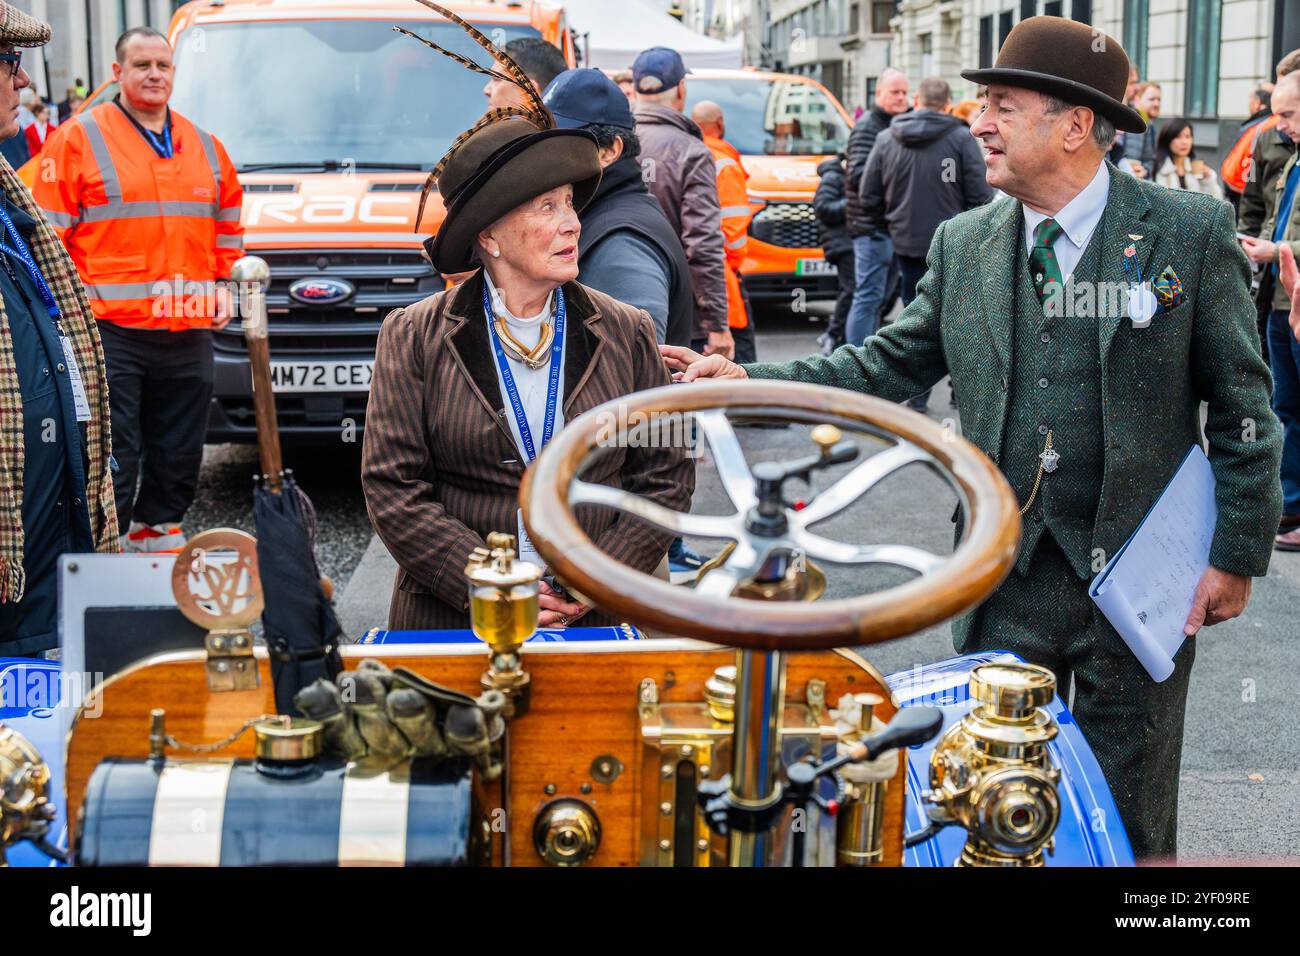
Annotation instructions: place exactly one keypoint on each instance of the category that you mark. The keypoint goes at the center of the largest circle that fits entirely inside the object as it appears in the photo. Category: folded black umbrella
(302, 631)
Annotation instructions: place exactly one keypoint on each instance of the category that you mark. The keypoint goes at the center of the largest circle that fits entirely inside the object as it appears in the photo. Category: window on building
(927, 54)
(1203, 20)
(1004, 27)
(986, 42)
(1081, 10)
(1028, 8)
(1053, 8)
(1136, 15)
(854, 21)
(882, 11)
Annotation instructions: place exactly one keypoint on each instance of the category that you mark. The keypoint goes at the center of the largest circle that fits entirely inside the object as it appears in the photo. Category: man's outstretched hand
(687, 365)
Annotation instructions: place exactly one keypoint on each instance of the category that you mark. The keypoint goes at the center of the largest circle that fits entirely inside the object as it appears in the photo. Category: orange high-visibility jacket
(733, 196)
(148, 235)
(1236, 168)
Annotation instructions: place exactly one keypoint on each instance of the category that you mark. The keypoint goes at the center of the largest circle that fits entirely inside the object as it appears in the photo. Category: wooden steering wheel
(764, 526)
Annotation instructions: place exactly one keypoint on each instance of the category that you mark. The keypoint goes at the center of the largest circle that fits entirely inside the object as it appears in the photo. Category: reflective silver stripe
(147, 209)
(122, 291)
(61, 220)
(372, 814)
(210, 151)
(729, 211)
(229, 214)
(230, 242)
(724, 162)
(103, 158)
(188, 809)
(738, 243)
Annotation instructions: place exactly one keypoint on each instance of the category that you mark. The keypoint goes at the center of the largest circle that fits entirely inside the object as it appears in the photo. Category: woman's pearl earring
(496, 253)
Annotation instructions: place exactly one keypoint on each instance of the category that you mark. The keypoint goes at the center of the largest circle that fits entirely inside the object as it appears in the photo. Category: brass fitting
(991, 773)
(25, 808)
(504, 610)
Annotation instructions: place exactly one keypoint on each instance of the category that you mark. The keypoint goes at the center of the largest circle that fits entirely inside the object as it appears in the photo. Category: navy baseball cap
(657, 69)
(578, 98)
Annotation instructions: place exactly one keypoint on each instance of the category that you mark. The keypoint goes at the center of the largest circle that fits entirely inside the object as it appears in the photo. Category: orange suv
(334, 122)
(784, 125)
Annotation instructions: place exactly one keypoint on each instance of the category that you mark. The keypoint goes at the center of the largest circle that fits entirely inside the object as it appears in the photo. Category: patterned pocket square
(1168, 289)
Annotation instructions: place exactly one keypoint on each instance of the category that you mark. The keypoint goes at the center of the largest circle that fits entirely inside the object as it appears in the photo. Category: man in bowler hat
(1088, 409)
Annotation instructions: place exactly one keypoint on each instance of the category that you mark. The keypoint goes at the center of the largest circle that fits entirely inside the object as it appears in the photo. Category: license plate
(321, 376)
(814, 267)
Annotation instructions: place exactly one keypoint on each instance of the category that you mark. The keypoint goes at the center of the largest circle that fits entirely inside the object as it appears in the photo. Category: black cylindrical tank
(319, 812)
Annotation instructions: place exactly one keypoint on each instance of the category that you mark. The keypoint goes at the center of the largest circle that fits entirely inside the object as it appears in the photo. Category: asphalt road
(1240, 794)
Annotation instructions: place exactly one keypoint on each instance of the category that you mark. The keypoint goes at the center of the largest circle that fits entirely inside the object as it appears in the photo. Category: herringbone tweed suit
(441, 470)
(1150, 382)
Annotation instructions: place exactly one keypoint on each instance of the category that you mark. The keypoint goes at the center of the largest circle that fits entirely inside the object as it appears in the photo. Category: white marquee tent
(617, 30)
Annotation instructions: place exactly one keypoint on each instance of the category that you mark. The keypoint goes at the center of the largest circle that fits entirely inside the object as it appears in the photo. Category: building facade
(844, 44)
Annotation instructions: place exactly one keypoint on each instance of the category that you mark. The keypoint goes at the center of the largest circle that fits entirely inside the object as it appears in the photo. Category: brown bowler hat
(1068, 60)
(499, 167)
(20, 29)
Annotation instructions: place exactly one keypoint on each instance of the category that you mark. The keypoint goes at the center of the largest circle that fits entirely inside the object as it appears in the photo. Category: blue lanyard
(20, 251)
(162, 146)
(507, 379)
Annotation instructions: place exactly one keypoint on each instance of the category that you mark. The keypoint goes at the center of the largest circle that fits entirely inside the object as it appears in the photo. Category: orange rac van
(334, 121)
(783, 125)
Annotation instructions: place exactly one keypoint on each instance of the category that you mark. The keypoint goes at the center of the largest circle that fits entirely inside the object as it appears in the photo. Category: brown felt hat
(21, 29)
(500, 167)
(1068, 60)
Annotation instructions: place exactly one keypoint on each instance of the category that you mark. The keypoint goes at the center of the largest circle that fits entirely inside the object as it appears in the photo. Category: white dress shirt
(532, 383)
(1078, 220)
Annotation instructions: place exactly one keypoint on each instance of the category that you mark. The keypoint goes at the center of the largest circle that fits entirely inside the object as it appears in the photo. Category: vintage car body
(1089, 833)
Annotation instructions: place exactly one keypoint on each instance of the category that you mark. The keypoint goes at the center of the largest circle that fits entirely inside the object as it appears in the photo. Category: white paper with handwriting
(1146, 589)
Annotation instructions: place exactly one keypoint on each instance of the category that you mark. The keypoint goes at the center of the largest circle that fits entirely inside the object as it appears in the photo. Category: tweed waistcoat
(1056, 386)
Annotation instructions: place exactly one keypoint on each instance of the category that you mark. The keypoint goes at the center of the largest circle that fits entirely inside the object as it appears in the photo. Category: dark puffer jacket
(830, 206)
(861, 140)
(925, 169)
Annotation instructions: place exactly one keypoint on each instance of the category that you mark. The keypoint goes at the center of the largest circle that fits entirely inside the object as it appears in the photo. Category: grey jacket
(679, 171)
(925, 168)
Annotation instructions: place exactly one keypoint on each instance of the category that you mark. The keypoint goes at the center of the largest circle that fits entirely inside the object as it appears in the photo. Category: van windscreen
(773, 117)
(340, 93)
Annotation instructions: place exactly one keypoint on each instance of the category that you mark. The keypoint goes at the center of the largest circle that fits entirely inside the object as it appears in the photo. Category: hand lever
(768, 518)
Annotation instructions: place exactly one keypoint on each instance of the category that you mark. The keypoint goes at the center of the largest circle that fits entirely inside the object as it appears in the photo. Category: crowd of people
(592, 241)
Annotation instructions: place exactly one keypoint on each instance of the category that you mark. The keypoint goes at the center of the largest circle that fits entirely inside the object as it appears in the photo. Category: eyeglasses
(16, 61)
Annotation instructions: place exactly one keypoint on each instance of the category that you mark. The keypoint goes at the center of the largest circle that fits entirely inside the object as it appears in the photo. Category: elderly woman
(469, 384)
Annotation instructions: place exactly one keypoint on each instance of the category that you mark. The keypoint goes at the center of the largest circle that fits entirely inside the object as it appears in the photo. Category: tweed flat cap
(21, 29)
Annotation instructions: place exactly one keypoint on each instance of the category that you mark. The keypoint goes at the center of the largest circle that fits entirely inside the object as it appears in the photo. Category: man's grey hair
(934, 93)
(888, 73)
(1289, 85)
(1103, 130)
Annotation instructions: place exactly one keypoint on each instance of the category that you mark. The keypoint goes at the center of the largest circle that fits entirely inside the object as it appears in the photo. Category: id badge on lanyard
(526, 550)
(17, 248)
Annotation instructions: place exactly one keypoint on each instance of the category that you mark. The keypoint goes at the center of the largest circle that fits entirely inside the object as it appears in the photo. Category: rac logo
(263, 210)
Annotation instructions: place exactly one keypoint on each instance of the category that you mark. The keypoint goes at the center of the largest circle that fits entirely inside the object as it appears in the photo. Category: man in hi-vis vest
(148, 205)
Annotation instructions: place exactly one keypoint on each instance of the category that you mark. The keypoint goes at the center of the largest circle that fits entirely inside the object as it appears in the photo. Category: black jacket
(925, 169)
(830, 207)
(861, 140)
(623, 202)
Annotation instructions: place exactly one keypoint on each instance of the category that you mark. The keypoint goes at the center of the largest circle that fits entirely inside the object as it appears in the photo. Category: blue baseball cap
(578, 98)
(657, 70)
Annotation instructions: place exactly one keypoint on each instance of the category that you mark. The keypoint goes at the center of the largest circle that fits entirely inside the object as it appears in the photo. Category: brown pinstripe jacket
(440, 469)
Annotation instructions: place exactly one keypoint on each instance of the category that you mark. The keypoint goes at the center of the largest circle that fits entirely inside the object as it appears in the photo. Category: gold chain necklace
(535, 357)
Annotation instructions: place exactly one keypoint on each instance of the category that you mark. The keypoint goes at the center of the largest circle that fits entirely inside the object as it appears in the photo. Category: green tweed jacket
(1153, 379)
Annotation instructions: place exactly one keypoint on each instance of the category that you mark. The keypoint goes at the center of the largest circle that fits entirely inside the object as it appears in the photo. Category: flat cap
(21, 29)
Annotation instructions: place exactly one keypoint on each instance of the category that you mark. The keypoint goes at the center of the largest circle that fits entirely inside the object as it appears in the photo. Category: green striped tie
(1042, 260)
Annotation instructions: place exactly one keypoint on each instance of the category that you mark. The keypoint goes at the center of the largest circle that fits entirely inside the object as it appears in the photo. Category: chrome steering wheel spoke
(728, 458)
(901, 555)
(727, 527)
(858, 482)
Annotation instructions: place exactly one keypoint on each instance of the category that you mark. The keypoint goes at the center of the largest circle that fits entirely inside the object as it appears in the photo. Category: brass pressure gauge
(566, 832)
